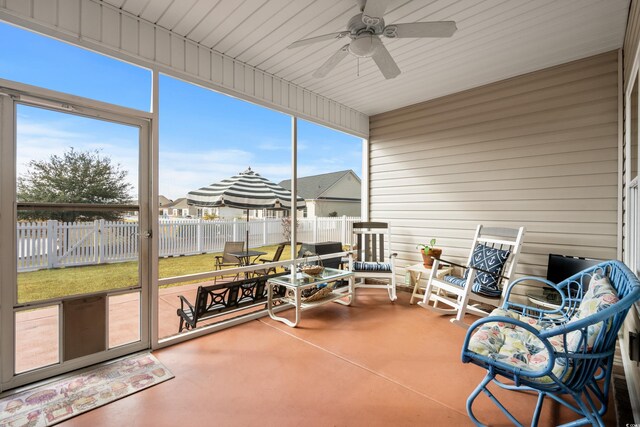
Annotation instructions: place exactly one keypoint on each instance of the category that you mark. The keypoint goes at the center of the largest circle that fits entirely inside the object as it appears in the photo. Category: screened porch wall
(632, 323)
(538, 150)
(631, 41)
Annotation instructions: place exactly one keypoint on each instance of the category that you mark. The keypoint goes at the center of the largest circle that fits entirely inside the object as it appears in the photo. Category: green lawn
(60, 282)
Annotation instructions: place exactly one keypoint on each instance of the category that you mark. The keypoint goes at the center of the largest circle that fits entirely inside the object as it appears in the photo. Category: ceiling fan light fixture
(365, 31)
(363, 46)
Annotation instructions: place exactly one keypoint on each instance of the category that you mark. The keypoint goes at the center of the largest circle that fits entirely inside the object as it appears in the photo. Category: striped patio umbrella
(247, 190)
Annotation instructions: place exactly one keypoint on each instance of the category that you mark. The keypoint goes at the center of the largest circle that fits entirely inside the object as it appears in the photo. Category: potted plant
(429, 251)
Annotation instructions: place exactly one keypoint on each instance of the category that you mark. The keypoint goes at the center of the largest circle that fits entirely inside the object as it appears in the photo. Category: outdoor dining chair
(227, 260)
(275, 258)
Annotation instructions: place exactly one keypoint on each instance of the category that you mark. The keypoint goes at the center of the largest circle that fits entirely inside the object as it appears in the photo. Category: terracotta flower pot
(427, 259)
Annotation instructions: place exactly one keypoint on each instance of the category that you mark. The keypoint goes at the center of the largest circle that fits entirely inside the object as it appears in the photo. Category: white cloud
(182, 172)
(179, 171)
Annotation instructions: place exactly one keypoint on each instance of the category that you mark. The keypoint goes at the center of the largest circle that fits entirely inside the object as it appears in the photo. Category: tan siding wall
(538, 150)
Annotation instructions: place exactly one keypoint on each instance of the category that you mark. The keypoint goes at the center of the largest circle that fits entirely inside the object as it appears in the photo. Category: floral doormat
(62, 399)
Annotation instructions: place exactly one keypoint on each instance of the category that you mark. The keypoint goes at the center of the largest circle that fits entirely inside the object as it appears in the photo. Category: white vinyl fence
(52, 244)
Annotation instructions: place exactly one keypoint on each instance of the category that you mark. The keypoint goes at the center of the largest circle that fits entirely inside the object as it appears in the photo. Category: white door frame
(12, 93)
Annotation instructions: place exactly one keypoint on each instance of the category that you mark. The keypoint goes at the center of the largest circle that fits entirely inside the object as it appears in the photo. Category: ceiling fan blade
(420, 29)
(331, 63)
(374, 11)
(384, 60)
(322, 38)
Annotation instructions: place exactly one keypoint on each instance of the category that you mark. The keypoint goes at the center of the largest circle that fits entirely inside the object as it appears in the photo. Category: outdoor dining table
(247, 258)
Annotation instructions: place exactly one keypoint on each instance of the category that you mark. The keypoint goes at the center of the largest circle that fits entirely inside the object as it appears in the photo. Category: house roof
(164, 201)
(182, 202)
(314, 186)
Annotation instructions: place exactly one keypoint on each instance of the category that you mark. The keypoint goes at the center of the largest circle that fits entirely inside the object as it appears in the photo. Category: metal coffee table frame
(304, 281)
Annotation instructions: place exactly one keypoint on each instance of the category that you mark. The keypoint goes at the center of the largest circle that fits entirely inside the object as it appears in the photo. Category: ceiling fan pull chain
(358, 67)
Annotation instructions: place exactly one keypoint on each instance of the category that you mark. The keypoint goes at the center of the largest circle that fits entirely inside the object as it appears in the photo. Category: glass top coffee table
(296, 285)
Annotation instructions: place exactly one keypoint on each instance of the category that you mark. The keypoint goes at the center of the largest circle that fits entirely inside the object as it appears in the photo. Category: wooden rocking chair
(491, 264)
(373, 256)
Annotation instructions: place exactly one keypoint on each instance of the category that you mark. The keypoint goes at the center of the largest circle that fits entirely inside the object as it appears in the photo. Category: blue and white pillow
(491, 260)
(371, 266)
(455, 280)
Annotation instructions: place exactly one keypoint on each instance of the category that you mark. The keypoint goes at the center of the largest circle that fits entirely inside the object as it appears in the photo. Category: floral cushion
(599, 295)
(516, 346)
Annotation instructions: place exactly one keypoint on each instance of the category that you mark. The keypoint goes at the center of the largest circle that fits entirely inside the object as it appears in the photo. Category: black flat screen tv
(562, 266)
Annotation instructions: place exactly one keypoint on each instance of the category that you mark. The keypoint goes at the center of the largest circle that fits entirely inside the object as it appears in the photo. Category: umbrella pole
(247, 238)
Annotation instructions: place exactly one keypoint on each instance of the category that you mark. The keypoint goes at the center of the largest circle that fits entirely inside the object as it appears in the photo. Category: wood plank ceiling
(496, 39)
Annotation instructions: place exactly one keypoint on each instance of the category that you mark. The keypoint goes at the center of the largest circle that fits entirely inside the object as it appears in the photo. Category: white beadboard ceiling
(496, 39)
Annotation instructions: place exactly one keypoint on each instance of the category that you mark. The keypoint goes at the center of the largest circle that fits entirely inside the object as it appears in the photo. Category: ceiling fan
(365, 29)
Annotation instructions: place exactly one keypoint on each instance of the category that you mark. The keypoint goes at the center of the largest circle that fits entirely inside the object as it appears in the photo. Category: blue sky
(204, 136)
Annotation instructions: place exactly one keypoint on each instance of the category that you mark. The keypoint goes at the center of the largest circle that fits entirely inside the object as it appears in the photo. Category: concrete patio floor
(375, 363)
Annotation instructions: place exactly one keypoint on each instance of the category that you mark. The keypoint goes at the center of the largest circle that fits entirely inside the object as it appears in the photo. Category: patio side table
(416, 273)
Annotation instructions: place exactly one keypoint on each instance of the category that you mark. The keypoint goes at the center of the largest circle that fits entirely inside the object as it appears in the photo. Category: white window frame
(631, 236)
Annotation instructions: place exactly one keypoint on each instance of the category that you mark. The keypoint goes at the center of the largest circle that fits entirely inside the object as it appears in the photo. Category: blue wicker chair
(564, 353)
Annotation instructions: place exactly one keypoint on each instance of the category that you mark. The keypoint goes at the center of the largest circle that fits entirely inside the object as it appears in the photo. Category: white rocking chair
(491, 265)
(374, 259)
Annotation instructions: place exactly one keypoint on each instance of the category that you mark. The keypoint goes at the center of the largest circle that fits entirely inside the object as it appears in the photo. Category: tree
(73, 177)
(286, 228)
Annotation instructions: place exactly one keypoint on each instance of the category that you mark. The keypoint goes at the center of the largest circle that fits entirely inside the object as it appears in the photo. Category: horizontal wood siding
(539, 150)
(106, 29)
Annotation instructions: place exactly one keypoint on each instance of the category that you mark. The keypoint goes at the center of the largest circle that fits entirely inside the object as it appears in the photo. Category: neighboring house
(179, 209)
(231, 213)
(163, 202)
(329, 194)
